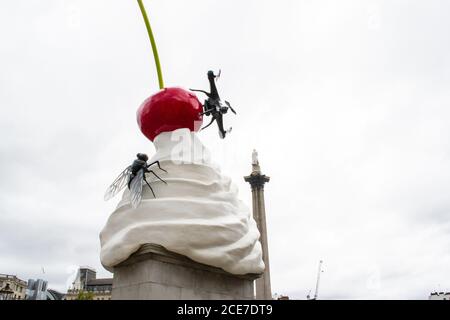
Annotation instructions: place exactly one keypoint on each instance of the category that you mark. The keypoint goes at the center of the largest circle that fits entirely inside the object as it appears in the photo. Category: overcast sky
(347, 103)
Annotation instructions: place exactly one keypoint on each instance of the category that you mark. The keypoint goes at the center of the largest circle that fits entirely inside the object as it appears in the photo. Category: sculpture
(133, 176)
(214, 106)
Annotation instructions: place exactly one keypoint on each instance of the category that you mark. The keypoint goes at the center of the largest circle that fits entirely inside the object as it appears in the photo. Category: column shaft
(263, 287)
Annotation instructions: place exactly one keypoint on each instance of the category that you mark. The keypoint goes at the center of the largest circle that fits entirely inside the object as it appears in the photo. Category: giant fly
(133, 177)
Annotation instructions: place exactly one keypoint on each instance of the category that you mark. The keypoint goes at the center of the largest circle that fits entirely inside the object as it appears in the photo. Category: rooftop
(99, 282)
(12, 277)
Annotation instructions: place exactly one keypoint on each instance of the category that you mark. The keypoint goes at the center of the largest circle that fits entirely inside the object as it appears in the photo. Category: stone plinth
(154, 273)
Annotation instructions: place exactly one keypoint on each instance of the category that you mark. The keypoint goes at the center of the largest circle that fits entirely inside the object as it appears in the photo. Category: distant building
(84, 275)
(36, 290)
(439, 296)
(16, 286)
(86, 281)
(54, 295)
(277, 296)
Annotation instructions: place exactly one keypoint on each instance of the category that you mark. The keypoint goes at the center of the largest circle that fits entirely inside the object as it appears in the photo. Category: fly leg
(149, 186)
(151, 171)
(159, 166)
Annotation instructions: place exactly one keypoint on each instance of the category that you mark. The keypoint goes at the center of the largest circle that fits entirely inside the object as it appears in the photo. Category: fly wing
(136, 189)
(118, 184)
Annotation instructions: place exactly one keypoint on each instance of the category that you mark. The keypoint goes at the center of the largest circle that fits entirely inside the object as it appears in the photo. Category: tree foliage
(85, 295)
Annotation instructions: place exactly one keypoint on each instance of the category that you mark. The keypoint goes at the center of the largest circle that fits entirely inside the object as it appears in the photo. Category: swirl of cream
(197, 214)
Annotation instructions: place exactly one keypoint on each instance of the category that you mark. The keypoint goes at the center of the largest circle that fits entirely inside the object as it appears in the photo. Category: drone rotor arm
(229, 106)
(212, 120)
(203, 91)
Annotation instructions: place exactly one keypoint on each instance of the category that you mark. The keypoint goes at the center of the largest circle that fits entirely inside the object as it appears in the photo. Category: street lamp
(6, 293)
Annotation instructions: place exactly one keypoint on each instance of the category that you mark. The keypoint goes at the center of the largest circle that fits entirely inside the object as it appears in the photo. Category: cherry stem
(153, 43)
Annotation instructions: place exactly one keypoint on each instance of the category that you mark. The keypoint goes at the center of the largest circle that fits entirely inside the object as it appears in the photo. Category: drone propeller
(229, 106)
(217, 76)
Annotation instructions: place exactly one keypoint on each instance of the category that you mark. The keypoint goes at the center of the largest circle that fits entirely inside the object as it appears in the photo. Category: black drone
(214, 106)
(133, 177)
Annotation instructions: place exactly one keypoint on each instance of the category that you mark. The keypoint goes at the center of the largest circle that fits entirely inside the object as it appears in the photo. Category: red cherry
(168, 110)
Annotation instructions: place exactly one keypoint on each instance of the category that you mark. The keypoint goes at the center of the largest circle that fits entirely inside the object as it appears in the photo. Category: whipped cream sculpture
(189, 207)
(197, 214)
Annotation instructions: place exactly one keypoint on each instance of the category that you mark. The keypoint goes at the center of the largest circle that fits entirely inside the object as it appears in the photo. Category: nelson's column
(257, 181)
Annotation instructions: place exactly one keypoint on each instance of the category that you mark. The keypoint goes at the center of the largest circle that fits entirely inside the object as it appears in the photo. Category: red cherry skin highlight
(168, 110)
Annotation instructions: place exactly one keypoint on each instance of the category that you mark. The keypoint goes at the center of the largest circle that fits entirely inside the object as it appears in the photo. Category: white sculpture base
(154, 273)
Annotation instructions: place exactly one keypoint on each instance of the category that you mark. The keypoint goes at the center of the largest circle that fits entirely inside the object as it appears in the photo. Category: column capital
(257, 180)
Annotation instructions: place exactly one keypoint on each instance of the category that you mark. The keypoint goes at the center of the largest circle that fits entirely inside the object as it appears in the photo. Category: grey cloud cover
(346, 102)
